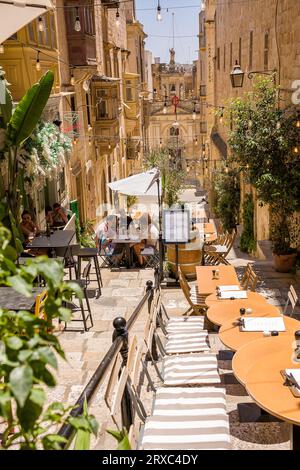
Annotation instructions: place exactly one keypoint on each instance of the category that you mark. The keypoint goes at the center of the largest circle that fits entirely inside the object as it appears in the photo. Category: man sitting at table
(59, 216)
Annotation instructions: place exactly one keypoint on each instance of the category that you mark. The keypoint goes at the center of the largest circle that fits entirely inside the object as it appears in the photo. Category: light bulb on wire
(278, 125)
(298, 123)
(221, 117)
(165, 108)
(118, 18)
(77, 25)
(158, 12)
(41, 24)
(38, 64)
(72, 81)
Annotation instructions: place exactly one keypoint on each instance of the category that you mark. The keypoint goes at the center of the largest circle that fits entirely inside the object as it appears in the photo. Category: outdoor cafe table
(254, 351)
(234, 339)
(12, 300)
(264, 383)
(220, 313)
(58, 239)
(205, 282)
(253, 297)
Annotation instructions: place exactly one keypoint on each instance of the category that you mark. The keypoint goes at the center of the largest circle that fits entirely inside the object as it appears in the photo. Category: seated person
(49, 217)
(59, 215)
(152, 234)
(105, 233)
(28, 227)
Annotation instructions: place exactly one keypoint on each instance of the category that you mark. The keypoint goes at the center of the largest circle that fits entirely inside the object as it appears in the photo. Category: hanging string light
(72, 81)
(37, 63)
(221, 116)
(278, 125)
(77, 25)
(118, 18)
(165, 108)
(296, 150)
(1, 48)
(41, 25)
(194, 112)
(158, 12)
(196, 141)
(298, 123)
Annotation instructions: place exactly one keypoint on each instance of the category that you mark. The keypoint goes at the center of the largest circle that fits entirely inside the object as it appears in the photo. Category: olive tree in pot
(264, 141)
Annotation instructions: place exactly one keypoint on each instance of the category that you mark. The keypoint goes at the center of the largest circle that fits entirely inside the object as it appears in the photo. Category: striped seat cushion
(185, 324)
(188, 418)
(194, 320)
(187, 342)
(188, 369)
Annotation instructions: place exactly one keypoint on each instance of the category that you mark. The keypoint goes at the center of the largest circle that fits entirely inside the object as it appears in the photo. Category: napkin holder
(291, 383)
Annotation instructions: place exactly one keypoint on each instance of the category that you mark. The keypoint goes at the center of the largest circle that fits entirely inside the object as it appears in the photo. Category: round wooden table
(227, 310)
(254, 351)
(234, 339)
(251, 296)
(264, 383)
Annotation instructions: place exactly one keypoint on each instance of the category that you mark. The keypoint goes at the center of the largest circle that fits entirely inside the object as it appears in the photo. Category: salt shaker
(296, 355)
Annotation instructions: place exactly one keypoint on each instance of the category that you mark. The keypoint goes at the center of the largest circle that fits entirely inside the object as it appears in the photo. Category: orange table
(264, 383)
(251, 296)
(207, 285)
(220, 313)
(245, 358)
(234, 339)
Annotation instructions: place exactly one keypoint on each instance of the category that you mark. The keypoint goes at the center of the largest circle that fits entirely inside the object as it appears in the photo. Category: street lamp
(237, 76)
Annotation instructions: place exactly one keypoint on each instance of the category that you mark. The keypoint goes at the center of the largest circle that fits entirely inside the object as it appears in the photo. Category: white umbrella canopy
(15, 15)
(142, 184)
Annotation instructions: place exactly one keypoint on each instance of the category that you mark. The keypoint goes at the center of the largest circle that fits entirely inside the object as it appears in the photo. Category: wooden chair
(249, 279)
(217, 253)
(292, 300)
(196, 302)
(39, 309)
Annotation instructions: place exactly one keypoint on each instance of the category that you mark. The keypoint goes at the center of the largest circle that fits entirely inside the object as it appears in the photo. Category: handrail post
(120, 329)
(149, 288)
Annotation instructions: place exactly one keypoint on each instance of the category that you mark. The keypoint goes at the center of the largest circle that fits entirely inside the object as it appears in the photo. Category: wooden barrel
(189, 256)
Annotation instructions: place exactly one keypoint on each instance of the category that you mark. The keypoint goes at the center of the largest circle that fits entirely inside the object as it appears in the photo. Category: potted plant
(264, 140)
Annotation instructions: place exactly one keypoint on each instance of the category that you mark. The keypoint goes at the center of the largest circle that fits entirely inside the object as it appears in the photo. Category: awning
(219, 143)
(142, 184)
(16, 15)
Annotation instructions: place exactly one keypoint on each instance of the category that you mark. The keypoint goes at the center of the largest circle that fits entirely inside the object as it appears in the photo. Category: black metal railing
(119, 345)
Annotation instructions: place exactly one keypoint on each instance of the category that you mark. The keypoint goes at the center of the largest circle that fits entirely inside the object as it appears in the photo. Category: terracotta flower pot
(284, 263)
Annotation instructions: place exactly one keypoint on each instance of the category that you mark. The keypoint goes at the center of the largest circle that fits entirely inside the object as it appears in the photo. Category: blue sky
(186, 24)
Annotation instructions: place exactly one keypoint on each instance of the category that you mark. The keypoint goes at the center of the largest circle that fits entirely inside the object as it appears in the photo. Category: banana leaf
(29, 110)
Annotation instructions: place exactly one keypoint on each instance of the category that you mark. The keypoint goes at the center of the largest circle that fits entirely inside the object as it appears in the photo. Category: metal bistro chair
(151, 255)
(91, 254)
(83, 282)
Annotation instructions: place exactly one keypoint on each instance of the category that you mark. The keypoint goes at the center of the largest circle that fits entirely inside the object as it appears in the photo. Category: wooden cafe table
(234, 339)
(207, 284)
(245, 358)
(252, 297)
(264, 383)
(227, 310)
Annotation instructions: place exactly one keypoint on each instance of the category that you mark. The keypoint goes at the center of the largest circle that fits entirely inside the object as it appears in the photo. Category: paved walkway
(121, 293)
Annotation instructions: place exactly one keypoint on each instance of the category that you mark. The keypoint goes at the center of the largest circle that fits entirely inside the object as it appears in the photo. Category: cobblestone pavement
(121, 293)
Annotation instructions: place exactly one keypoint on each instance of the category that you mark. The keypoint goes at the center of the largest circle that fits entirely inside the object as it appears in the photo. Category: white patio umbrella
(142, 184)
(15, 15)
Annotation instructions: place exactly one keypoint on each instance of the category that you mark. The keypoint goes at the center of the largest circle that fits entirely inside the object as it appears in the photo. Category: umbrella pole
(160, 242)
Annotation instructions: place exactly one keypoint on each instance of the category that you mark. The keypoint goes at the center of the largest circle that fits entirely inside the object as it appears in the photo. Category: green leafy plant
(263, 140)
(28, 356)
(131, 200)
(227, 197)
(17, 127)
(247, 240)
(172, 179)
(121, 437)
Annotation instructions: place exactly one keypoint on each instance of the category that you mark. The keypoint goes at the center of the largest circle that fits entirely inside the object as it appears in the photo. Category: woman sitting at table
(151, 233)
(28, 227)
(59, 216)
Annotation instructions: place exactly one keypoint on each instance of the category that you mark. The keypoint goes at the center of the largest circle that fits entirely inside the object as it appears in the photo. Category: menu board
(176, 226)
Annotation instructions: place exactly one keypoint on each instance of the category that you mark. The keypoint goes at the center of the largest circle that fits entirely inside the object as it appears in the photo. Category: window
(106, 103)
(203, 127)
(173, 88)
(129, 91)
(116, 65)
(218, 58)
(266, 51)
(251, 50)
(240, 51)
(31, 29)
(89, 23)
(88, 111)
(174, 131)
(224, 58)
(230, 55)
(108, 67)
(53, 31)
